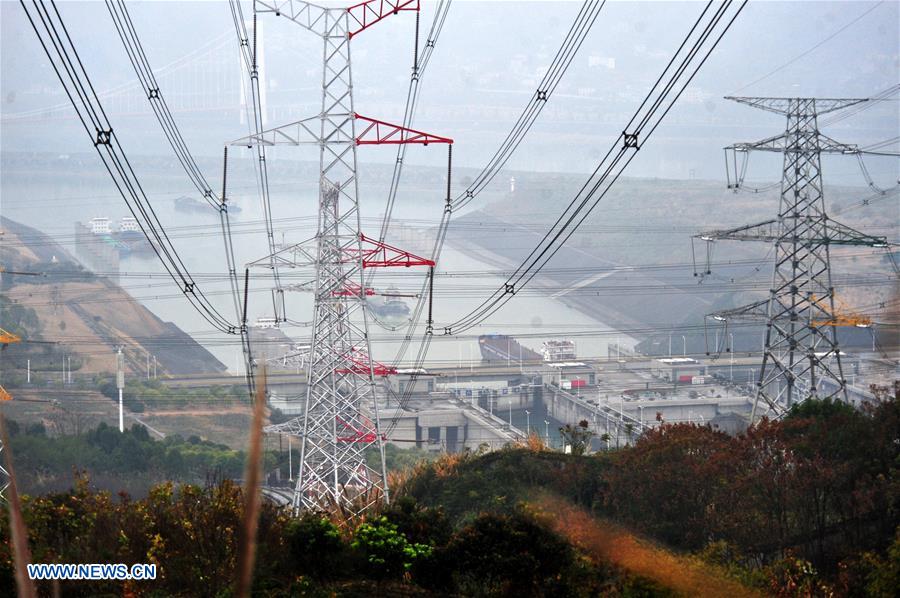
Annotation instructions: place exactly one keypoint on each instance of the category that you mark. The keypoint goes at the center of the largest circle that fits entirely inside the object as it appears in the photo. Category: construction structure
(801, 356)
(339, 423)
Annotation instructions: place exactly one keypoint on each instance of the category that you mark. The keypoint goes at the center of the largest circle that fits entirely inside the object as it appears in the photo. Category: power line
(71, 73)
(808, 50)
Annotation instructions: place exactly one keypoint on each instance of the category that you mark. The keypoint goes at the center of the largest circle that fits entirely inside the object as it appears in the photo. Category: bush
(499, 555)
(315, 546)
(385, 551)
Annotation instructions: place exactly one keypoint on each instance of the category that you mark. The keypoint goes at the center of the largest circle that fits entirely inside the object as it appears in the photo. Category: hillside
(81, 316)
(806, 506)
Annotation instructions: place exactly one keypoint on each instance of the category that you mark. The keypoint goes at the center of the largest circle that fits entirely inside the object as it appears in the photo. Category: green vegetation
(19, 319)
(117, 460)
(138, 393)
(807, 506)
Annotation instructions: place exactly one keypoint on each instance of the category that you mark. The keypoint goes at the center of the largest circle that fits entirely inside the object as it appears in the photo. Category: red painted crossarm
(360, 363)
(355, 435)
(378, 132)
(376, 254)
(353, 290)
(365, 14)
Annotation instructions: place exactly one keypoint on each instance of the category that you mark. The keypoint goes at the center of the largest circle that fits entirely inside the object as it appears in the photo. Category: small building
(417, 381)
(679, 370)
(571, 374)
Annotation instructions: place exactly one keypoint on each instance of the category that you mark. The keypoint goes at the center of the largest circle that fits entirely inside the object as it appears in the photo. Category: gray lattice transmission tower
(340, 417)
(801, 357)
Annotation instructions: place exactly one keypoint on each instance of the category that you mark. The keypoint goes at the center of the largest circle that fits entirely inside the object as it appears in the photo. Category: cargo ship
(389, 305)
(500, 347)
(561, 350)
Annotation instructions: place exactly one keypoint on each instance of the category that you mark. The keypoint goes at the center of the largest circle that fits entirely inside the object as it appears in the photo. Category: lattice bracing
(801, 357)
(340, 421)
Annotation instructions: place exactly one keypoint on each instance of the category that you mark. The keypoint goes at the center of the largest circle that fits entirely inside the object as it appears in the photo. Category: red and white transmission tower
(340, 419)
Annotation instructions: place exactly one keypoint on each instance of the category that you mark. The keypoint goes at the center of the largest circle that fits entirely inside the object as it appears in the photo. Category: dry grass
(534, 443)
(607, 542)
(252, 498)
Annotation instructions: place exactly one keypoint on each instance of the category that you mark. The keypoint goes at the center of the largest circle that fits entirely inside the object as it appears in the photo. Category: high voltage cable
(610, 169)
(468, 291)
(578, 31)
(809, 50)
(243, 228)
(248, 49)
(871, 102)
(151, 88)
(420, 63)
(564, 56)
(138, 58)
(89, 109)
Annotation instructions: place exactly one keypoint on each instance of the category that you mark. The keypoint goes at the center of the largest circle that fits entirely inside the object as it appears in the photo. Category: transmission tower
(801, 358)
(340, 418)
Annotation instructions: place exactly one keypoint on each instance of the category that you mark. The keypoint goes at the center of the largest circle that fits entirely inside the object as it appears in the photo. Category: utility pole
(120, 384)
(800, 338)
(340, 420)
(290, 461)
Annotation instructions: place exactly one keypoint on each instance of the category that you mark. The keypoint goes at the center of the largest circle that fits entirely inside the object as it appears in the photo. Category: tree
(577, 437)
(499, 555)
(386, 551)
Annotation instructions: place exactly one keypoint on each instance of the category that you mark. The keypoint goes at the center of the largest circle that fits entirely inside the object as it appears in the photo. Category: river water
(53, 203)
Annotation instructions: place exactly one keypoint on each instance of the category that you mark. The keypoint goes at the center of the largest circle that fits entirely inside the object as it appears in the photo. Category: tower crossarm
(372, 132)
(306, 14)
(322, 20)
(369, 252)
(781, 144)
(375, 254)
(357, 361)
(365, 14)
(753, 312)
(301, 132)
(786, 106)
(294, 256)
(770, 231)
(292, 427)
(378, 132)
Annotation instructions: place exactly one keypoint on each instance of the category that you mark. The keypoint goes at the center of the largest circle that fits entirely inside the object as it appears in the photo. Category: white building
(100, 226)
(128, 224)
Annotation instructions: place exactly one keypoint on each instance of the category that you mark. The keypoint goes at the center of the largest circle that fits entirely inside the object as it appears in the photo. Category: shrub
(499, 555)
(315, 546)
(385, 550)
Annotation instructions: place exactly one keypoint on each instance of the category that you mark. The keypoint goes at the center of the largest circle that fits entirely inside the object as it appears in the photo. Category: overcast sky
(485, 68)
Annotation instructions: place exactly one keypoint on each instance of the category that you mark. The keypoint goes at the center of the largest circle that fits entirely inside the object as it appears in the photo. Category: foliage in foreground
(812, 501)
(803, 507)
(190, 533)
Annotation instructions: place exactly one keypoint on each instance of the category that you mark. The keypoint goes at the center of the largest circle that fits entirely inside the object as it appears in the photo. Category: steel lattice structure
(801, 358)
(340, 421)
